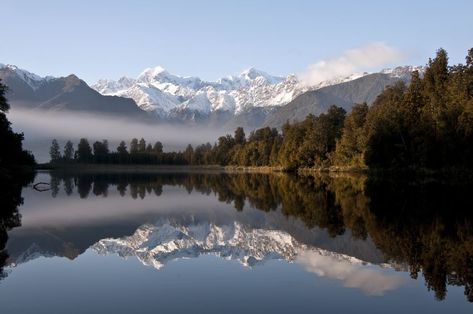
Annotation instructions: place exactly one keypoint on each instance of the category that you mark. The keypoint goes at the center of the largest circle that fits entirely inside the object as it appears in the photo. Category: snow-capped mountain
(33, 80)
(157, 244)
(167, 95)
(251, 99)
(157, 90)
(403, 71)
(166, 240)
(30, 91)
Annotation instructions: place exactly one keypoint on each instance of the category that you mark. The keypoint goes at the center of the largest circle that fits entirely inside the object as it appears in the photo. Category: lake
(213, 242)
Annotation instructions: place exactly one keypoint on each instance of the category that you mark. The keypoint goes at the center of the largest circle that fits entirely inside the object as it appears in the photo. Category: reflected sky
(190, 249)
(350, 271)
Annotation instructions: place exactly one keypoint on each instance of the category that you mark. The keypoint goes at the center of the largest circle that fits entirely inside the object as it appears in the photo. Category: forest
(424, 228)
(427, 124)
(12, 153)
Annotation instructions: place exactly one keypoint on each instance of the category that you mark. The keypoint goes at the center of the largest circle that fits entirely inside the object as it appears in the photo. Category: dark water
(234, 243)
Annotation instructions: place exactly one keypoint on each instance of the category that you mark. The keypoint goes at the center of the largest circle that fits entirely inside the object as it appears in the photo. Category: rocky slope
(250, 99)
(30, 91)
(363, 89)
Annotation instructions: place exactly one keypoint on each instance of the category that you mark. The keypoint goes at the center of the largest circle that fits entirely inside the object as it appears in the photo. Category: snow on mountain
(403, 71)
(234, 93)
(150, 98)
(339, 80)
(157, 244)
(156, 90)
(114, 86)
(33, 80)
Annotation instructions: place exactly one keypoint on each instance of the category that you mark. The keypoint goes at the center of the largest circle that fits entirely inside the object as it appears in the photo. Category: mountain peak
(29, 78)
(152, 73)
(252, 74)
(253, 71)
(402, 71)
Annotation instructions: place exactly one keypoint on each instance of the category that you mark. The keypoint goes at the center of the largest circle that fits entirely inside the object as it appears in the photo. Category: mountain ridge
(251, 99)
(29, 91)
(167, 95)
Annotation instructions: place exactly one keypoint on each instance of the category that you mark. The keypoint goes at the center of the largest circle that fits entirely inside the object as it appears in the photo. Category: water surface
(228, 243)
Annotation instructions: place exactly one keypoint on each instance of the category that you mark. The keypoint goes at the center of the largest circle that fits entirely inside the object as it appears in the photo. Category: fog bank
(41, 127)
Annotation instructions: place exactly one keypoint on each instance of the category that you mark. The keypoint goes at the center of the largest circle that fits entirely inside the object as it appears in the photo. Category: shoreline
(444, 173)
(129, 168)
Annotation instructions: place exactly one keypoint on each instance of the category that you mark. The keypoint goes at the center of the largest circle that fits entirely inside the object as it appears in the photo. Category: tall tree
(122, 149)
(142, 145)
(4, 106)
(54, 151)
(240, 136)
(84, 152)
(188, 154)
(101, 151)
(158, 148)
(11, 146)
(68, 151)
(351, 146)
(134, 146)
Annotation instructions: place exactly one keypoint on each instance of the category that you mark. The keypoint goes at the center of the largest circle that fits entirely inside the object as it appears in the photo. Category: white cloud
(351, 61)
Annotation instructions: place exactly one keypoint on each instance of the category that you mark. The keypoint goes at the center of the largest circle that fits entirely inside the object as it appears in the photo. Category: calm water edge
(123, 242)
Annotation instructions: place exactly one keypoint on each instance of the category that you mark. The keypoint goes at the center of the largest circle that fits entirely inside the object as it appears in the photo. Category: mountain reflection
(157, 244)
(327, 224)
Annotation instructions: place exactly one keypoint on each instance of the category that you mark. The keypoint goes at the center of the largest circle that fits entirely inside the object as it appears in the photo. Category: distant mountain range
(30, 91)
(251, 99)
(169, 238)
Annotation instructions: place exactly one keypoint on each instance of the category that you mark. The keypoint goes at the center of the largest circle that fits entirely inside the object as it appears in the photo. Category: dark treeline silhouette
(10, 199)
(99, 153)
(11, 152)
(12, 176)
(425, 125)
(425, 226)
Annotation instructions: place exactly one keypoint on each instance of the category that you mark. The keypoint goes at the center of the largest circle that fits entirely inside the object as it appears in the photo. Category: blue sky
(212, 39)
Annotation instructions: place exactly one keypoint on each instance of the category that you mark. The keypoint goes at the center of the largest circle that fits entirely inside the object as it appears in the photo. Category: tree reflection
(426, 226)
(10, 199)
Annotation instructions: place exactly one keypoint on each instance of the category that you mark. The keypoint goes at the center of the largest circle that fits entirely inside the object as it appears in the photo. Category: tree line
(99, 152)
(12, 152)
(427, 124)
(424, 225)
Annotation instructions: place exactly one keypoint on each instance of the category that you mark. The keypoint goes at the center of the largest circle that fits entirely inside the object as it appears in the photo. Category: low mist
(41, 127)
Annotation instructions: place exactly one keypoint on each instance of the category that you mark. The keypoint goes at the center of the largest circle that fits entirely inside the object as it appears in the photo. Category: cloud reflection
(350, 272)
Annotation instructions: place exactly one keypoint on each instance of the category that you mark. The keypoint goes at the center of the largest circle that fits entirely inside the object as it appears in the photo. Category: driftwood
(38, 187)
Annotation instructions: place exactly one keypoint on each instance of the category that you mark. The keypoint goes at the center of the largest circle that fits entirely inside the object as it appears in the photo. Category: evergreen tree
(101, 151)
(351, 146)
(122, 149)
(134, 146)
(68, 151)
(4, 106)
(240, 136)
(142, 145)
(188, 154)
(84, 152)
(54, 151)
(12, 152)
(158, 148)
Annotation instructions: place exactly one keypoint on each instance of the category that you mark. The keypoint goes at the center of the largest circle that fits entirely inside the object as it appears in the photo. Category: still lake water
(127, 242)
